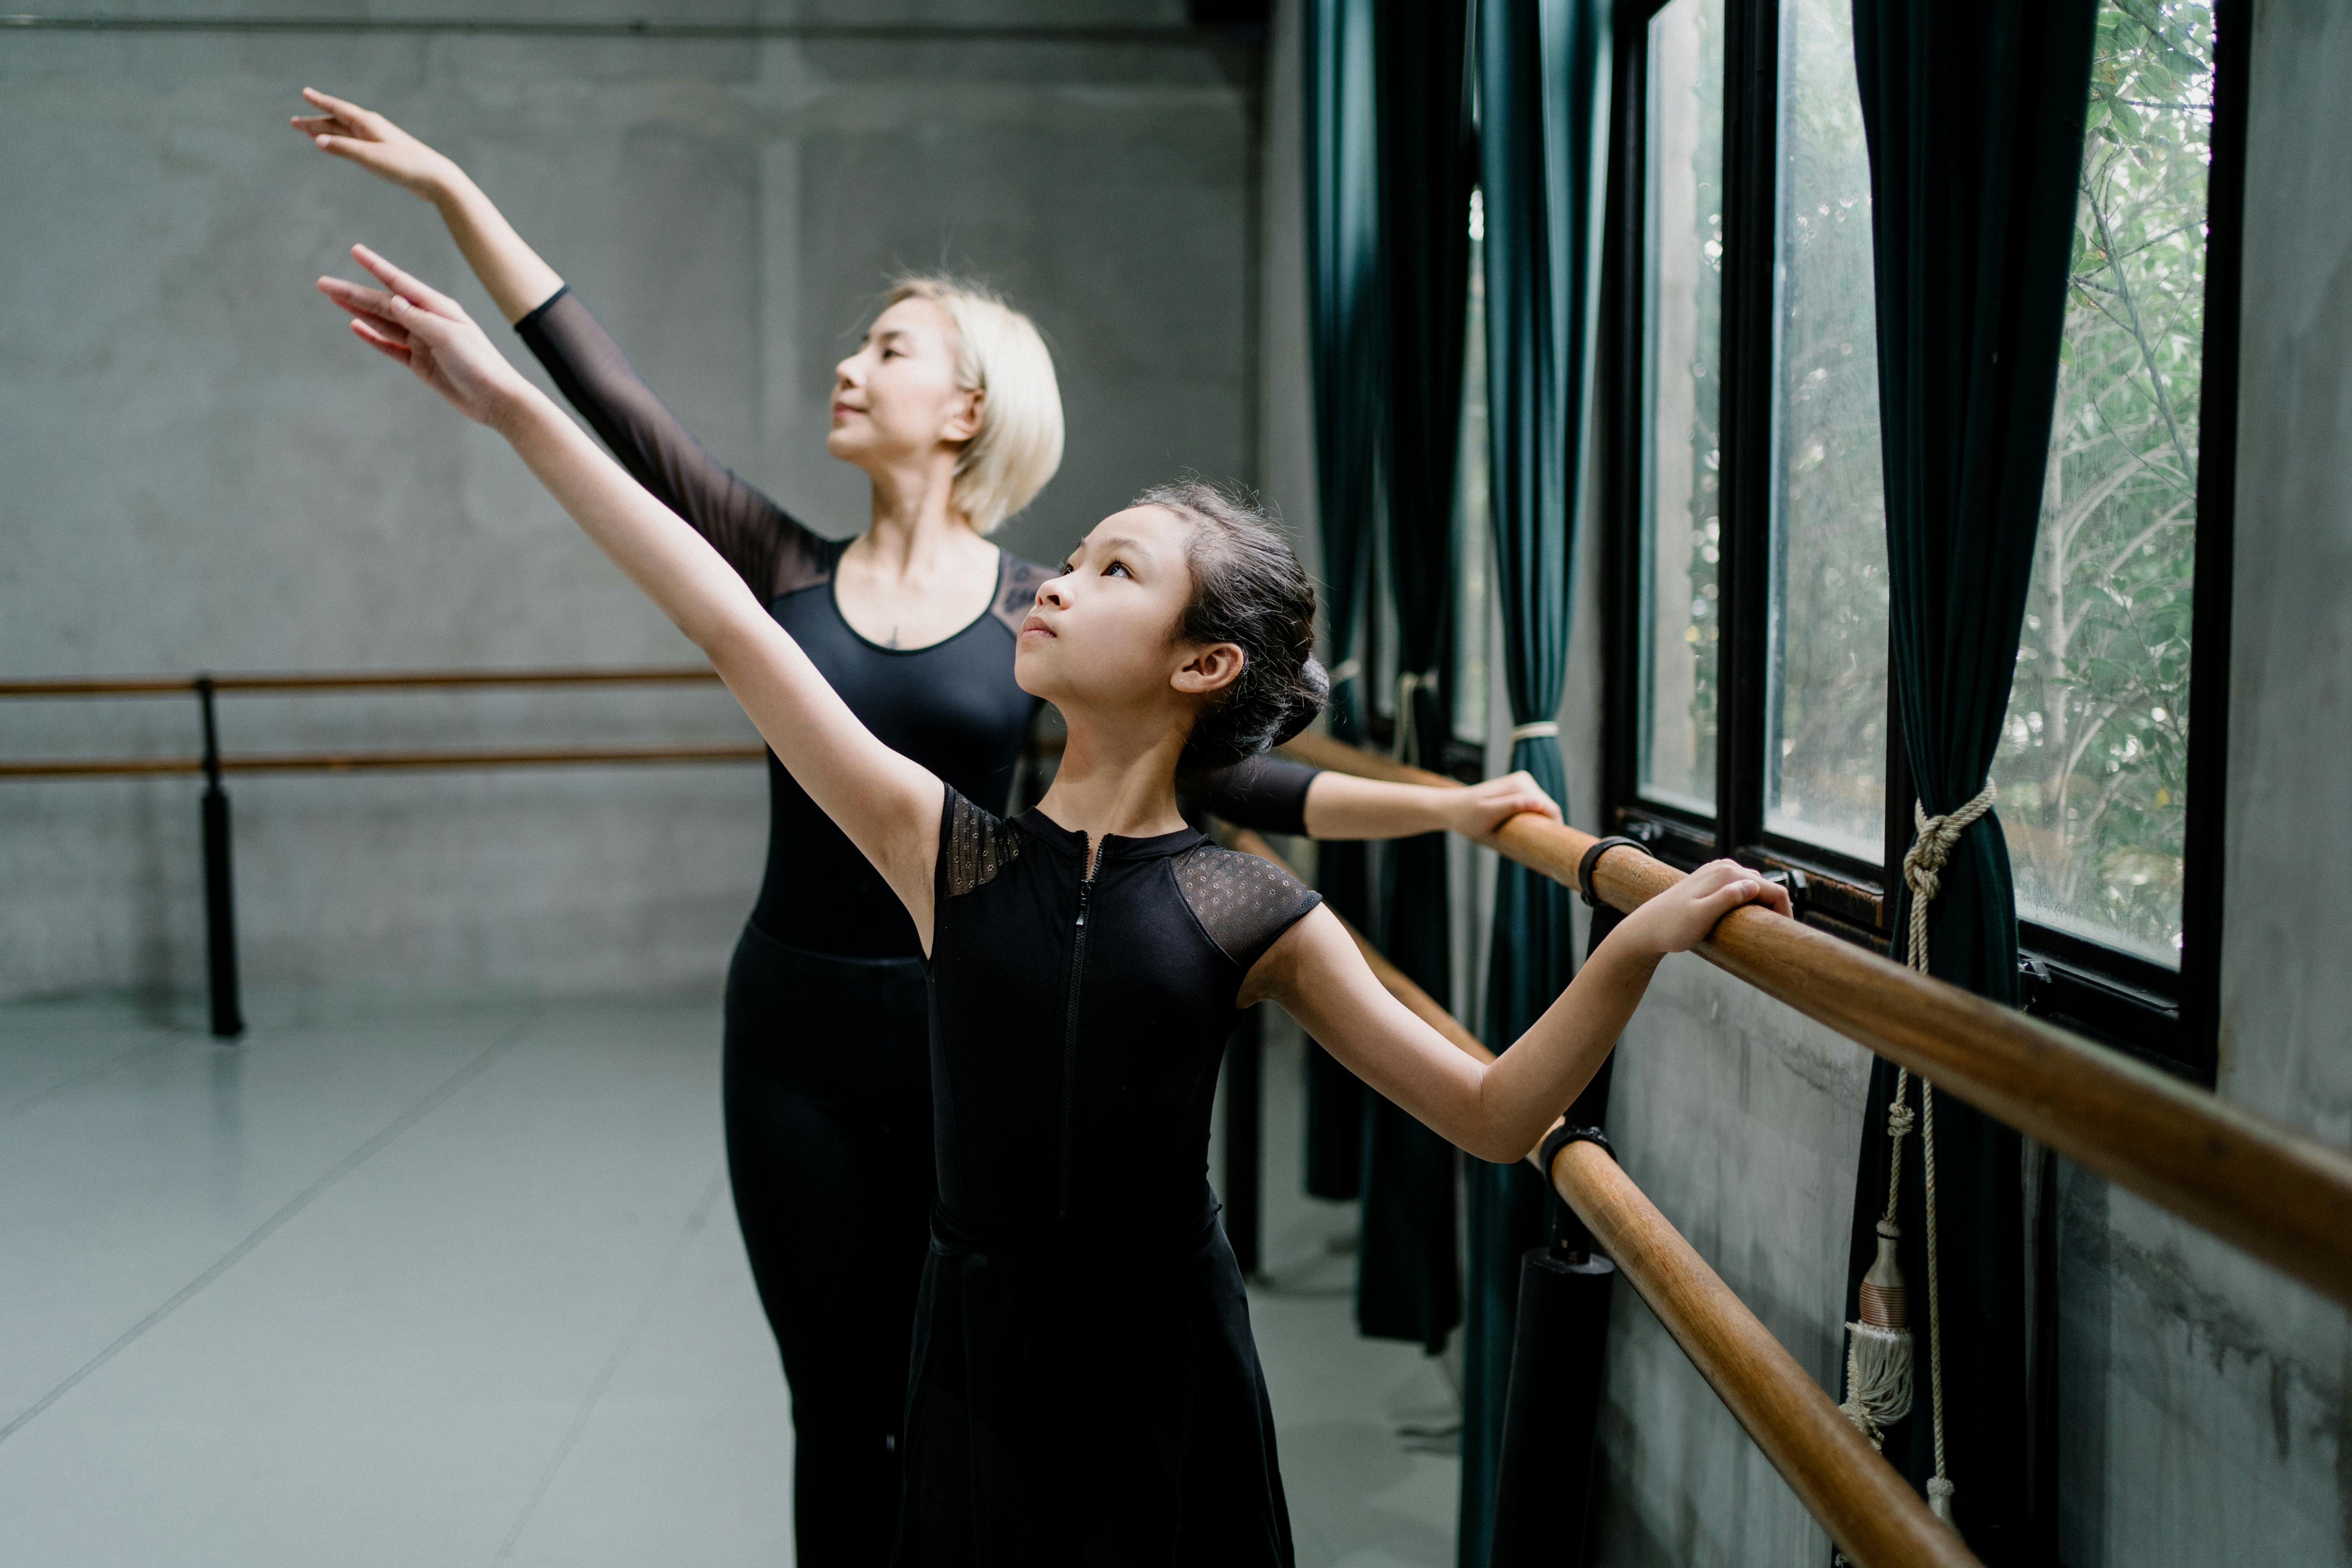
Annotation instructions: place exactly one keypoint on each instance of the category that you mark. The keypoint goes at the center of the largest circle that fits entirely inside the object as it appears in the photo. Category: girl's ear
(1209, 669)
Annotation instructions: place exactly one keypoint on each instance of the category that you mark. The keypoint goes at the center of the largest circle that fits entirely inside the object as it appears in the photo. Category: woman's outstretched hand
(362, 136)
(1478, 812)
(431, 335)
(1685, 914)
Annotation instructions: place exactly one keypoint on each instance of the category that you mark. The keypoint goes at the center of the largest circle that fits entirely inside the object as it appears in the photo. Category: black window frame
(2166, 1018)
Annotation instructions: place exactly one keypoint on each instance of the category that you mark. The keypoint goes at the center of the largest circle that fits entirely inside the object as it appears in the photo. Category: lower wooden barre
(1869, 1511)
(2282, 1197)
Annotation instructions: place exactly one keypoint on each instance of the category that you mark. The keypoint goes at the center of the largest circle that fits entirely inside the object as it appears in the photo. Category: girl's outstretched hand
(1684, 915)
(431, 335)
(1478, 811)
(362, 136)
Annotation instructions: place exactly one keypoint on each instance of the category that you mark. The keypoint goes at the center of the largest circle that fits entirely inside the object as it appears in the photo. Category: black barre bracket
(1585, 867)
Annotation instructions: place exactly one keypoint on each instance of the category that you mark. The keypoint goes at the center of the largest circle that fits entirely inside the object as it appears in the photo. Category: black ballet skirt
(1084, 1389)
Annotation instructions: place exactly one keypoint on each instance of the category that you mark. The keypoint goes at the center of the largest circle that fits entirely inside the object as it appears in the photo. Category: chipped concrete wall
(2203, 1418)
(203, 471)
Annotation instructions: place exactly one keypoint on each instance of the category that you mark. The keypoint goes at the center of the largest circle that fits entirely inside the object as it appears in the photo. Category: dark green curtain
(1974, 116)
(1343, 289)
(1408, 1282)
(1544, 83)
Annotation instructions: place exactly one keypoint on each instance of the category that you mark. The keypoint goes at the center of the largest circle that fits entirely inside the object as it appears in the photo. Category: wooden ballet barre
(1868, 1510)
(2257, 1183)
(354, 680)
(378, 762)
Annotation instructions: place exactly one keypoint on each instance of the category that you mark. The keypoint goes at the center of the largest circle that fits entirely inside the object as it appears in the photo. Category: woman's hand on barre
(518, 281)
(431, 335)
(1687, 914)
(1339, 807)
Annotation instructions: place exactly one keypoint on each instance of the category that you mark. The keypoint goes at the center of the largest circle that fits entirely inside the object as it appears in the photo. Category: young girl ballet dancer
(1084, 1387)
(950, 407)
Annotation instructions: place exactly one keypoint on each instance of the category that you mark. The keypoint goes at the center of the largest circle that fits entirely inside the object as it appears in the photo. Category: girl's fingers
(409, 288)
(379, 341)
(356, 299)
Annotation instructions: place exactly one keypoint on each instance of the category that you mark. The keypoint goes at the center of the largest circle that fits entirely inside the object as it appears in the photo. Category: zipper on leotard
(1070, 1029)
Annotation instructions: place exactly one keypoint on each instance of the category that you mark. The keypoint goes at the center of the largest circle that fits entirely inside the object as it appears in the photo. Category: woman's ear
(966, 417)
(1209, 669)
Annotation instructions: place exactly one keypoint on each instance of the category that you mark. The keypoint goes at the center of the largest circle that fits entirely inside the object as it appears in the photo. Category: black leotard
(1086, 1387)
(952, 706)
(826, 1072)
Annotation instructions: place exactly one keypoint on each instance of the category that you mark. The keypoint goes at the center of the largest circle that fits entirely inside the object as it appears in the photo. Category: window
(1825, 697)
(1682, 380)
(1473, 538)
(2094, 766)
(1747, 591)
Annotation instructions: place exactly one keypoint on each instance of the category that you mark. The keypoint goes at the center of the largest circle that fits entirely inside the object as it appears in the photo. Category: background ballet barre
(220, 905)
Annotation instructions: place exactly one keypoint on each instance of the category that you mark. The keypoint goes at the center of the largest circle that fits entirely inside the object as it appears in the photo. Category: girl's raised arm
(1496, 1110)
(888, 805)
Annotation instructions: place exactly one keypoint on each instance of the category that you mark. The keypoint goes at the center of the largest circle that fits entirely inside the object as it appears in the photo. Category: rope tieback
(1408, 735)
(1878, 1343)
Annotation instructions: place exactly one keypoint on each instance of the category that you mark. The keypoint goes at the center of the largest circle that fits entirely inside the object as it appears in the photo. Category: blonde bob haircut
(1001, 355)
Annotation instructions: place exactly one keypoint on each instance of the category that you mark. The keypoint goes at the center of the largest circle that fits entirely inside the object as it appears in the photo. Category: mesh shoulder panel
(1245, 903)
(978, 846)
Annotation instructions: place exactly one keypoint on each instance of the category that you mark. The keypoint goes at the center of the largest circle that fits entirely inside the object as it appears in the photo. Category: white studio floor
(454, 1283)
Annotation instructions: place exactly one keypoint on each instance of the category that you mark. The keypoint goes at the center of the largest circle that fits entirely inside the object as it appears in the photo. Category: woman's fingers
(341, 108)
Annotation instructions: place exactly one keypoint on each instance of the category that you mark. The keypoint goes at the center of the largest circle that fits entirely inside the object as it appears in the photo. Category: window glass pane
(1472, 529)
(1825, 705)
(2092, 766)
(1682, 460)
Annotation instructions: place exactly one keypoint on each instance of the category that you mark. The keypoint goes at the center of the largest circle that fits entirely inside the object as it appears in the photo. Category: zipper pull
(1085, 889)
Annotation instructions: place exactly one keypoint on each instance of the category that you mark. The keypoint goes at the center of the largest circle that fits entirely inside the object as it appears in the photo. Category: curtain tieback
(1879, 1347)
(1408, 737)
(1346, 670)
(1535, 730)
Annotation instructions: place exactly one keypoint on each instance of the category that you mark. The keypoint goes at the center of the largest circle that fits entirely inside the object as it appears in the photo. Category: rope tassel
(1879, 1353)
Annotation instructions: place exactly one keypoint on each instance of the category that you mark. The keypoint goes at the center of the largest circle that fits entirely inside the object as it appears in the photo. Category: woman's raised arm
(1498, 1110)
(768, 546)
(888, 805)
(519, 281)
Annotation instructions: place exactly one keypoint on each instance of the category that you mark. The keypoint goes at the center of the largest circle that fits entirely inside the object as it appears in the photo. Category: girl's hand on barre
(431, 335)
(362, 136)
(1685, 914)
(1479, 812)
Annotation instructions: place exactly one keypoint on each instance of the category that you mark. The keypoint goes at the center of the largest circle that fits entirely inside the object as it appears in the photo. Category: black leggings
(828, 1109)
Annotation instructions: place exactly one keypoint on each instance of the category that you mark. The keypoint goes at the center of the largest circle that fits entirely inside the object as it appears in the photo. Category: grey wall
(199, 468)
(2204, 1416)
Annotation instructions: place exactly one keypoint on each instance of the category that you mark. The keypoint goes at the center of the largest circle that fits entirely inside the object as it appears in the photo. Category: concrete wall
(2203, 1415)
(203, 471)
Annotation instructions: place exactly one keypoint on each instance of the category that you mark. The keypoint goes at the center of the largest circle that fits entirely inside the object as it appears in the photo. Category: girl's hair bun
(1249, 590)
(1308, 697)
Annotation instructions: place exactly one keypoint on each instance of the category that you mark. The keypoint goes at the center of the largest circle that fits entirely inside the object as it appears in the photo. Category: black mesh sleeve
(772, 552)
(1243, 902)
(1267, 793)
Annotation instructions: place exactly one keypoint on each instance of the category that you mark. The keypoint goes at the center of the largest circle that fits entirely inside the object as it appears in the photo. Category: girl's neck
(914, 529)
(1116, 780)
